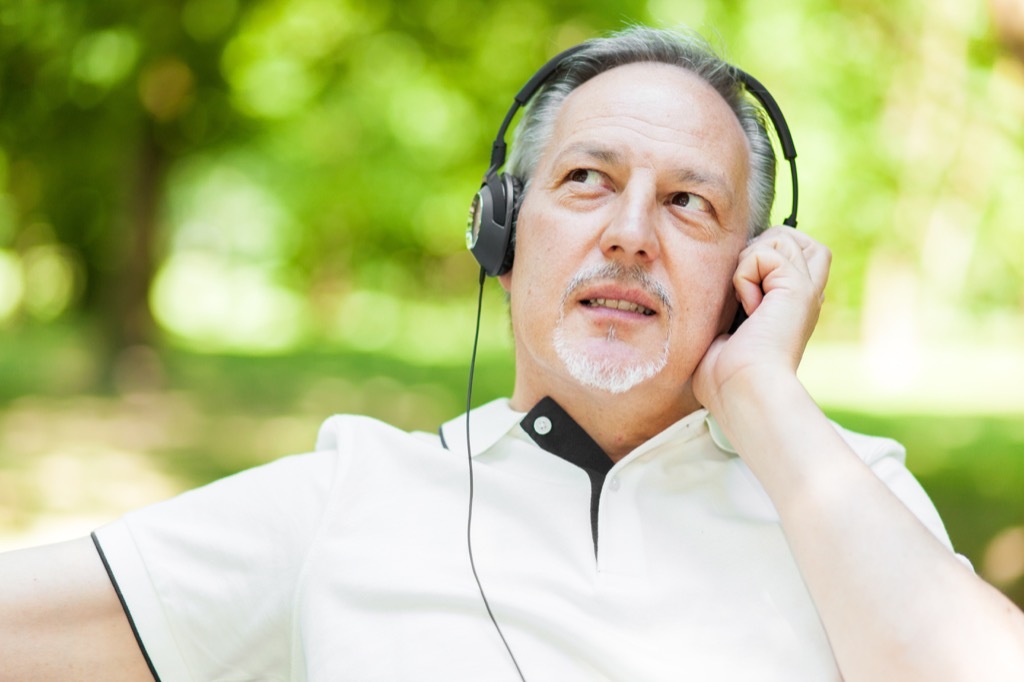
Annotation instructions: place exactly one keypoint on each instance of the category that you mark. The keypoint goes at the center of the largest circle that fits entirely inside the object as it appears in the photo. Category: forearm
(895, 602)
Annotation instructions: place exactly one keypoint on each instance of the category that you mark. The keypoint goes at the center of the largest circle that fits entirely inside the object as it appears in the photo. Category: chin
(607, 365)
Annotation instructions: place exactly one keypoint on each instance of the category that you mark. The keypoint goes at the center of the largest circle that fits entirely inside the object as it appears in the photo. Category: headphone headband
(771, 107)
(520, 100)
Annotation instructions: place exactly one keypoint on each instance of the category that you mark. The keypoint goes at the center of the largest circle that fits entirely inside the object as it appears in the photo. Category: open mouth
(617, 304)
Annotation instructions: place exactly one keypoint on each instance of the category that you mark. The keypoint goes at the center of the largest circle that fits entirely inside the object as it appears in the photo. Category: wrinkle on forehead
(657, 117)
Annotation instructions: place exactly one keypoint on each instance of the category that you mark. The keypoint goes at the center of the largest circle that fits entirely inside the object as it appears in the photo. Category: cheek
(707, 293)
(725, 296)
(539, 269)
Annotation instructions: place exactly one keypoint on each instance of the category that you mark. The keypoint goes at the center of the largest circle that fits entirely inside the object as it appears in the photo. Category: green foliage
(343, 139)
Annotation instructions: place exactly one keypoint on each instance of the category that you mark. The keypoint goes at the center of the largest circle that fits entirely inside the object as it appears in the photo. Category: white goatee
(606, 374)
(603, 373)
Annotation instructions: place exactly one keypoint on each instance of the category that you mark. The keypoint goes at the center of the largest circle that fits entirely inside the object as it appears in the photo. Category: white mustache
(616, 272)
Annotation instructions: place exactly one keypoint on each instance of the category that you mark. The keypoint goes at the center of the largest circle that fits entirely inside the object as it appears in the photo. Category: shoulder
(350, 432)
(872, 449)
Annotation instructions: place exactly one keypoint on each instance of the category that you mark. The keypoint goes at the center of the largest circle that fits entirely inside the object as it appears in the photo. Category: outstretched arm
(896, 604)
(60, 618)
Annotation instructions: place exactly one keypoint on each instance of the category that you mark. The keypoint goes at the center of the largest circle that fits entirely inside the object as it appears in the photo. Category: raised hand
(780, 281)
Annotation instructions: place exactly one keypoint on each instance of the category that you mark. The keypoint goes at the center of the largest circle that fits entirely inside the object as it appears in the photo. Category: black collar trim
(554, 430)
(561, 435)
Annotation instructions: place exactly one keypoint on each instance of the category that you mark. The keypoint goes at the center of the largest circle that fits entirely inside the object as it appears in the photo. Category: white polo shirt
(350, 563)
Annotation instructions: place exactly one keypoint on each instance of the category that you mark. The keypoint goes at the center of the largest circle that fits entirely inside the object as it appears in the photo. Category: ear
(506, 281)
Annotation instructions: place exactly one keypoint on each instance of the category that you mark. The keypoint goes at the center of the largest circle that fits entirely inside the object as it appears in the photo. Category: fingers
(781, 257)
(816, 256)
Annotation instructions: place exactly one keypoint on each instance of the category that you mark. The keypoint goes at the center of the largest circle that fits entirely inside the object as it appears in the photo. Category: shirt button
(613, 484)
(542, 425)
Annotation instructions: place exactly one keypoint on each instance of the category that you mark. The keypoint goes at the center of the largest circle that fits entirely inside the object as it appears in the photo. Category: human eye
(691, 201)
(585, 176)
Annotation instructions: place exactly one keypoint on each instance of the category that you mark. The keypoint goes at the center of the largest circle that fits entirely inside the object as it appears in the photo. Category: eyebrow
(715, 181)
(587, 149)
(689, 176)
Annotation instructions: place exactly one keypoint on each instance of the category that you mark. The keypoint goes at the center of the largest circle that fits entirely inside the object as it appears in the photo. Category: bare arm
(896, 604)
(60, 618)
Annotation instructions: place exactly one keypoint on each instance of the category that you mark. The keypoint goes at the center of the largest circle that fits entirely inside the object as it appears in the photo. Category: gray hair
(642, 44)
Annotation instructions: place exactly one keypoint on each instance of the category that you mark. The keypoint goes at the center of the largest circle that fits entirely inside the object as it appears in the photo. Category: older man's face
(629, 234)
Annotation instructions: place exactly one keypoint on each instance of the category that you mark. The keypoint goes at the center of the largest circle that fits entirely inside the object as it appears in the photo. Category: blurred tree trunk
(123, 287)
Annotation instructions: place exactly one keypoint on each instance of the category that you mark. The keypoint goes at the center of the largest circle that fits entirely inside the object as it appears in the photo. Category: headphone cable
(469, 458)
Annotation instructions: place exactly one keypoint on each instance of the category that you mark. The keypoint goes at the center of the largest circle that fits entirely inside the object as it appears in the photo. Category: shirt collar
(492, 421)
(487, 424)
(556, 431)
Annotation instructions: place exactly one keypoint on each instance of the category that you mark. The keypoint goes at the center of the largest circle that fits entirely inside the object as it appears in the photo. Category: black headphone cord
(469, 458)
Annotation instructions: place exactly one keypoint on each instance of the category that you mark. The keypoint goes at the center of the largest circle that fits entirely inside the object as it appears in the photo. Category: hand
(780, 282)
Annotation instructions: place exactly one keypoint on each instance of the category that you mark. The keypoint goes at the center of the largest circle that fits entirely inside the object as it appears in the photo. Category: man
(620, 531)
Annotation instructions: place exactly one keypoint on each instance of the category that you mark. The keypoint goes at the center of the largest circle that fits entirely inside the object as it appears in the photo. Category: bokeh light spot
(11, 284)
(217, 305)
(49, 280)
(1004, 557)
(104, 58)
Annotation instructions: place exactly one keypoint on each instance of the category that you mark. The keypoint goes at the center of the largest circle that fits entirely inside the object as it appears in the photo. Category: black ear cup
(489, 231)
(492, 222)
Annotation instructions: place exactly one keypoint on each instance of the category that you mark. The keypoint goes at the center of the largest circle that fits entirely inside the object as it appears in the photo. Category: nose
(630, 235)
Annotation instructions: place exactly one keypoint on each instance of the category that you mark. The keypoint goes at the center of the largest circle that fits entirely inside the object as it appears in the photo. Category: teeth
(617, 304)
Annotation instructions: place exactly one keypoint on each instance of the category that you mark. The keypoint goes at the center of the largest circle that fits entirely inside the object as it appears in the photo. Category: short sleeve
(887, 458)
(209, 578)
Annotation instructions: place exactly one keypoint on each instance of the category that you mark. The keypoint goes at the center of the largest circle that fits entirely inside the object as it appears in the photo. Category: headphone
(492, 215)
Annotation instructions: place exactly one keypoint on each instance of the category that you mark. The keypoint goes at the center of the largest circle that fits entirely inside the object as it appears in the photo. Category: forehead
(657, 113)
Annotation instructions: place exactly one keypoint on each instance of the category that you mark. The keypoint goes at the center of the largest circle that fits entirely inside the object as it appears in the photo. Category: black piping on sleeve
(124, 605)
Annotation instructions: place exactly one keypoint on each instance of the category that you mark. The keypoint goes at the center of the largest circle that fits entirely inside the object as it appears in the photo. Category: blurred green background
(221, 221)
